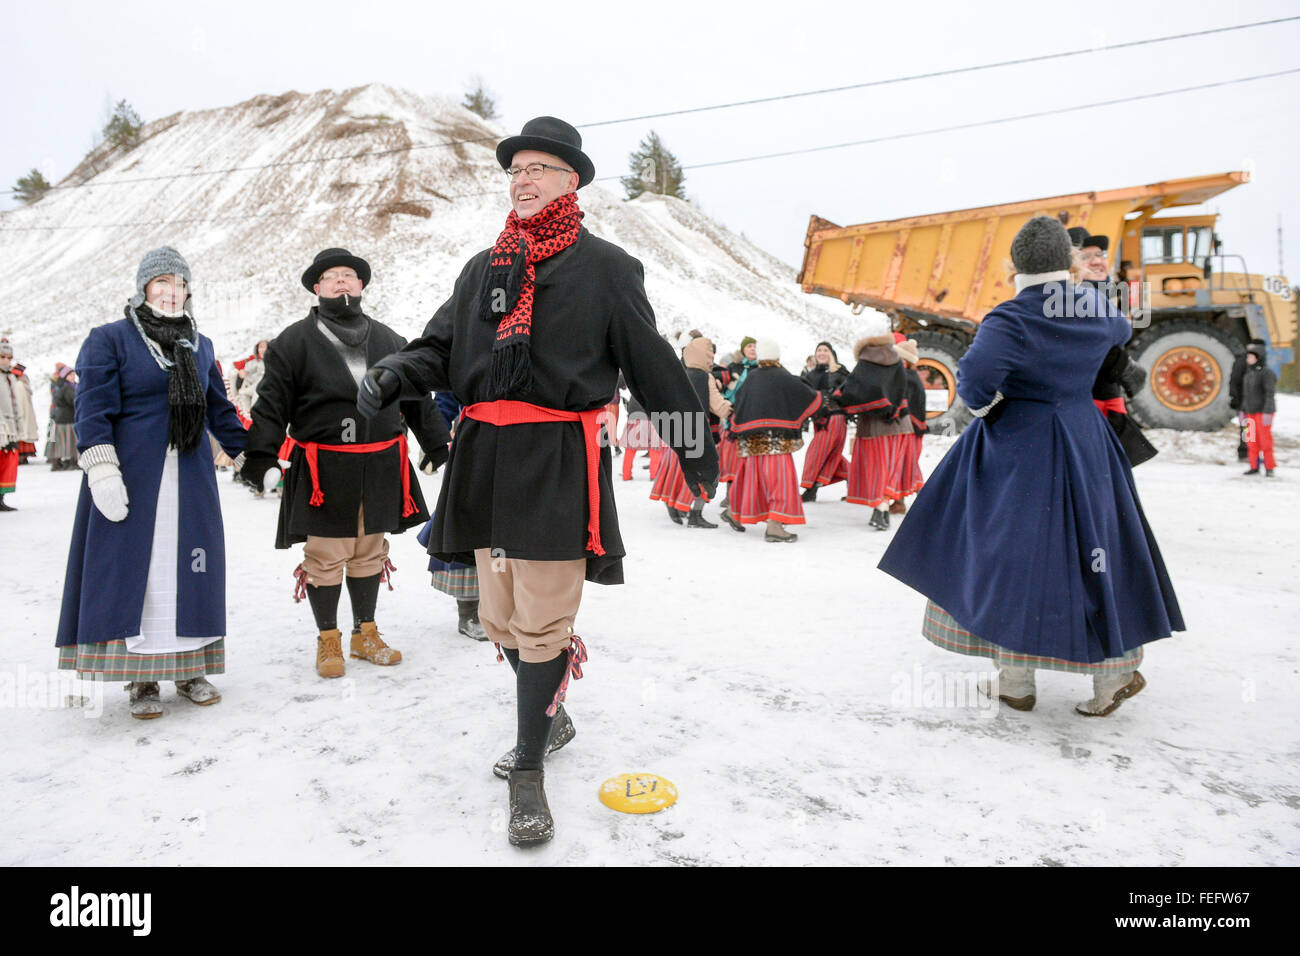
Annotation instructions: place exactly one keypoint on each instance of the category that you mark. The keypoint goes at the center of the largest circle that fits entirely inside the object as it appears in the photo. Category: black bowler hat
(328, 259)
(1077, 235)
(546, 134)
(1098, 242)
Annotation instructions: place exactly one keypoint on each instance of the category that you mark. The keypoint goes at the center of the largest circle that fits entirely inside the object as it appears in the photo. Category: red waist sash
(1110, 405)
(311, 448)
(508, 412)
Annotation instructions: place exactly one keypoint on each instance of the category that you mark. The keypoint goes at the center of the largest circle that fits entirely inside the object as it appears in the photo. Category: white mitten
(108, 491)
(270, 479)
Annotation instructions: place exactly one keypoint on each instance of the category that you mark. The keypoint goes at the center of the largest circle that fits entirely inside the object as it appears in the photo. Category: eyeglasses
(535, 171)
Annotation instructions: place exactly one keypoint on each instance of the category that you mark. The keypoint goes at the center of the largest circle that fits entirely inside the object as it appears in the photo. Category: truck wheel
(939, 353)
(1187, 363)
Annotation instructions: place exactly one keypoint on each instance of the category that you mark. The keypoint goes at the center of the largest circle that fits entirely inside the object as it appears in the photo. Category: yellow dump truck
(1194, 307)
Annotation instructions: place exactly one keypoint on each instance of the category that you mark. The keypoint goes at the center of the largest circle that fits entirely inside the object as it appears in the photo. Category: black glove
(701, 485)
(379, 388)
(1133, 378)
(255, 469)
(433, 460)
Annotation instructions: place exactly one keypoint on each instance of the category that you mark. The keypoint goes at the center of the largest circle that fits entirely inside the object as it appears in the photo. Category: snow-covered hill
(249, 193)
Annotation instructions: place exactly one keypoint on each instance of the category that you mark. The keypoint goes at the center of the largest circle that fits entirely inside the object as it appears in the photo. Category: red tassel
(500, 656)
(300, 584)
(577, 657)
(386, 574)
(408, 508)
(317, 498)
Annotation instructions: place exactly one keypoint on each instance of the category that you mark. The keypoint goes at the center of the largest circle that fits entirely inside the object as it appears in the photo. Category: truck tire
(939, 355)
(1187, 363)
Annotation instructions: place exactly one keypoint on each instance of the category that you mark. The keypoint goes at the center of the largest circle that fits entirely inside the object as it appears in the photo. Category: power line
(993, 122)
(955, 71)
(683, 112)
(721, 162)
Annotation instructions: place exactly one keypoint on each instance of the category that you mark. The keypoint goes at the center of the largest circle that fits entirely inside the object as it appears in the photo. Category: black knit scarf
(186, 405)
(342, 315)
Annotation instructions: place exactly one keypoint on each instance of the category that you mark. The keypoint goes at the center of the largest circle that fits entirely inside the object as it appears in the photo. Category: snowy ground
(785, 690)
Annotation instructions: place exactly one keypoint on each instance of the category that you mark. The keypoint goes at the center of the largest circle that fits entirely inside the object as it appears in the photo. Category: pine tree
(481, 101)
(654, 170)
(31, 187)
(123, 126)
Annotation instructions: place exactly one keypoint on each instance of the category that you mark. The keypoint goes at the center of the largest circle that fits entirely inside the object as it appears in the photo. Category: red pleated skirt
(824, 463)
(766, 488)
(880, 469)
(670, 484)
(728, 459)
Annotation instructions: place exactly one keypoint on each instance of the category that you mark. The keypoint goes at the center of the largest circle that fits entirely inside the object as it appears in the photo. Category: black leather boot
(696, 520)
(674, 514)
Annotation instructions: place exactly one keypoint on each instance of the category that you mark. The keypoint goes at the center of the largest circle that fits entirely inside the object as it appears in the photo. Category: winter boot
(1109, 691)
(674, 514)
(880, 519)
(530, 817)
(329, 653)
(5, 507)
(199, 691)
(145, 703)
(469, 624)
(897, 507)
(1015, 688)
(697, 519)
(726, 515)
(809, 495)
(367, 645)
(1268, 472)
(776, 533)
(1253, 471)
(561, 733)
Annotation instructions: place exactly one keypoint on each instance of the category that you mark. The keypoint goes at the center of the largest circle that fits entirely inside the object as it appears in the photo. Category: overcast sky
(66, 62)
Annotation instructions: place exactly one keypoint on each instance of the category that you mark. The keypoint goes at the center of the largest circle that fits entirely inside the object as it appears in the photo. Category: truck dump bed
(956, 265)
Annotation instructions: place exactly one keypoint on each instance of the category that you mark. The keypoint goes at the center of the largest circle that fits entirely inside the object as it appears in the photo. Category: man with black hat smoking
(350, 480)
(532, 341)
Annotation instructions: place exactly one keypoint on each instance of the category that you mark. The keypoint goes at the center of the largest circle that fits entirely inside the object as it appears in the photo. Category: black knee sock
(364, 595)
(324, 603)
(535, 686)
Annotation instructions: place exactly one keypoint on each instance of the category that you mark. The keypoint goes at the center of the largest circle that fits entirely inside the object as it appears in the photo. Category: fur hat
(1041, 245)
(766, 350)
(907, 350)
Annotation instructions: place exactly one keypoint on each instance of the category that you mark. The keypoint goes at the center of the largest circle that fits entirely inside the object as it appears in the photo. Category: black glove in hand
(433, 460)
(700, 485)
(1133, 378)
(255, 469)
(379, 388)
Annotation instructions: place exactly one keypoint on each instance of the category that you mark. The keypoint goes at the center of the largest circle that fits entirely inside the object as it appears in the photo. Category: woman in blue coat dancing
(144, 598)
(1029, 539)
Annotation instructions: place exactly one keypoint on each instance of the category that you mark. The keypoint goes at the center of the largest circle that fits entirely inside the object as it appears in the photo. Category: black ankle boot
(696, 520)
(809, 495)
(674, 514)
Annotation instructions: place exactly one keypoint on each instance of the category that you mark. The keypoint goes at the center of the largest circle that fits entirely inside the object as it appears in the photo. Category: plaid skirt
(941, 630)
(458, 580)
(111, 660)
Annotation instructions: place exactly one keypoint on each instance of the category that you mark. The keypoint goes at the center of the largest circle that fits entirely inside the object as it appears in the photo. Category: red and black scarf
(507, 297)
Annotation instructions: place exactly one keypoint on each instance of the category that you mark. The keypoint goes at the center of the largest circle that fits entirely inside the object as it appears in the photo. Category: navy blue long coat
(1030, 532)
(122, 401)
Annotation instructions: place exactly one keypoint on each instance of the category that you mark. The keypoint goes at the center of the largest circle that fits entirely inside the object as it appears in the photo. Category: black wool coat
(522, 489)
(1258, 388)
(308, 389)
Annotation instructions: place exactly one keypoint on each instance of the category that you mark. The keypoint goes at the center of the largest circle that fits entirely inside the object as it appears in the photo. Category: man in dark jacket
(350, 481)
(1258, 404)
(532, 341)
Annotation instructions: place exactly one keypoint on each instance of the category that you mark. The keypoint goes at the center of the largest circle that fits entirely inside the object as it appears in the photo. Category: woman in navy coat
(1029, 540)
(144, 598)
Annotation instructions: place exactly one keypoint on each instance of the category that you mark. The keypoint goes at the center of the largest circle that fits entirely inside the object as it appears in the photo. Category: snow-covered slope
(249, 193)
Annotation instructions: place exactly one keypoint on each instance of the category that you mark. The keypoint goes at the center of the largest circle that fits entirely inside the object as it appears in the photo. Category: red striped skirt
(728, 459)
(876, 474)
(670, 484)
(640, 434)
(824, 463)
(915, 480)
(766, 488)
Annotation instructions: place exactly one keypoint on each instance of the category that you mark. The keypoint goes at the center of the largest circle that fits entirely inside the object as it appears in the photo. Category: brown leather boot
(897, 507)
(329, 653)
(369, 646)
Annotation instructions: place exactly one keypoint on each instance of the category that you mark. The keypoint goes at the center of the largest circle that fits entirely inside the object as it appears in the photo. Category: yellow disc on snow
(638, 793)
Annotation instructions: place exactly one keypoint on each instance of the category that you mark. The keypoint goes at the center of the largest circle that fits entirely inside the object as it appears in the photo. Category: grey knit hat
(163, 261)
(1041, 245)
